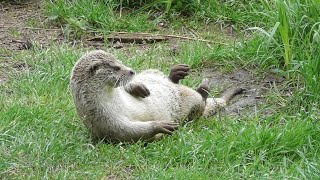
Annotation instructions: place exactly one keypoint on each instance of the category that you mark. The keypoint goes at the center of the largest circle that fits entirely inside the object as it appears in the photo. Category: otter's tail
(213, 104)
(229, 94)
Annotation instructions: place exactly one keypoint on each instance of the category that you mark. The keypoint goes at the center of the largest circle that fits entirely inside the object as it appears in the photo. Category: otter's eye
(117, 68)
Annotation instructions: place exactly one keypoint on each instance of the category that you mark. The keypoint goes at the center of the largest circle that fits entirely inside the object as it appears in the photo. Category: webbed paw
(165, 127)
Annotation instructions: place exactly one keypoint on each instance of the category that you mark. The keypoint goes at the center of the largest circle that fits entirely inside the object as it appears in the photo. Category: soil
(22, 26)
(256, 86)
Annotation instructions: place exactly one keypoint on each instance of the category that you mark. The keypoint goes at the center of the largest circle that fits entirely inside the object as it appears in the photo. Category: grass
(293, 24)
(42, 137)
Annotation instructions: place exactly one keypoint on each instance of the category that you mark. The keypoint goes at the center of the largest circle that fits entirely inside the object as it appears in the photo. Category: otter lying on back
(117, 105)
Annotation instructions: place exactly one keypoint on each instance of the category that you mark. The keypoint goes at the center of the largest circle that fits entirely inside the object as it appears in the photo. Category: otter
(118, 105)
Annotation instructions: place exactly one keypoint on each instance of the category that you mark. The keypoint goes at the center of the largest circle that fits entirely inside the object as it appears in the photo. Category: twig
(194, 39)
(173, 36)
(17, 41)
(190, 38)
(138, 33)
(163, 35)
(4, 9)
(132, 39)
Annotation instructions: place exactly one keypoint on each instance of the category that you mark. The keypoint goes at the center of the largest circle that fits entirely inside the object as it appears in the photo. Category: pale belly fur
(159, 106)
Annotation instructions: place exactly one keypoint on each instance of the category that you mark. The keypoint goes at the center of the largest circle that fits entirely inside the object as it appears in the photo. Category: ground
(21, 25)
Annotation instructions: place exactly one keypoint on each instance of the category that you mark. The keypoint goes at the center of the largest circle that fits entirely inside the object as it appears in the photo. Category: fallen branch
(139, 38)
(129, 39)
(143, 36)
(173, 36)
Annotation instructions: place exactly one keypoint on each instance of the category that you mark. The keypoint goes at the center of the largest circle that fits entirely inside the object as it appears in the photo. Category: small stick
(138, 33)
(169, 36)
(174, 36)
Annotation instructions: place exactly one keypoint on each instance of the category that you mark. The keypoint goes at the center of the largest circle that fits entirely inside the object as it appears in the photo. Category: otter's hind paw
(165, 127)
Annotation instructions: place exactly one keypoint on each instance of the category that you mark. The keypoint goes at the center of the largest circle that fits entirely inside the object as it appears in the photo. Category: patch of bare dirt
(21, 24)
(256, 86)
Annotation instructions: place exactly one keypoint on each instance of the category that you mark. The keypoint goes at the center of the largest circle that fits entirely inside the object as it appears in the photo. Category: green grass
(292, 43)
(290, 28)
(42, 137)
(87, 15)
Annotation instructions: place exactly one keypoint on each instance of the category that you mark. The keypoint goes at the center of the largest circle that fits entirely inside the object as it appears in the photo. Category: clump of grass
(284, 34)
(92, 15)
(119, 15)
(292, 42)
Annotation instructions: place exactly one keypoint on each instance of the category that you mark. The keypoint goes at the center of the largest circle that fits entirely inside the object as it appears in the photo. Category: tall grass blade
(284, 34)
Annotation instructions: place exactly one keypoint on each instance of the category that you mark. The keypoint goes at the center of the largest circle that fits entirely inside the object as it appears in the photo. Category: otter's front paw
(178, 72)
(164, 127)
(139, 90)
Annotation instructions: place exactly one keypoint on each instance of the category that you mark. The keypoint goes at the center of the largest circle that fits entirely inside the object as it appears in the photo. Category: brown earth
(21, 27)
(22, 24)
(256, 86)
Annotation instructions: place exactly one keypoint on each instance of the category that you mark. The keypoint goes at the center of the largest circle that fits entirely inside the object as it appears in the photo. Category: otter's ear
(93, 68)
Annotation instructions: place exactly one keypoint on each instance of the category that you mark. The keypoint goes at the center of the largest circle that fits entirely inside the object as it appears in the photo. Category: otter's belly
(159, 106)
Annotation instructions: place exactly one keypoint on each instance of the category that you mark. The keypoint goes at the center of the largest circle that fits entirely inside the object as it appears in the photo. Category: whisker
(106, 79)
(115, 84)
(120, 81)
(123, 81)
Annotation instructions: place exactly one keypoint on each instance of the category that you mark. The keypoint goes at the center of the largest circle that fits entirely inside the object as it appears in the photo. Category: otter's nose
(132, 72)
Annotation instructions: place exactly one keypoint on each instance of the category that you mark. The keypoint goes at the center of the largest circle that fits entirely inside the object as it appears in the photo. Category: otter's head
(99, 69)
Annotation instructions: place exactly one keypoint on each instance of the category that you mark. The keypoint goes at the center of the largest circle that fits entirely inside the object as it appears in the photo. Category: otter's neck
(93, 96)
